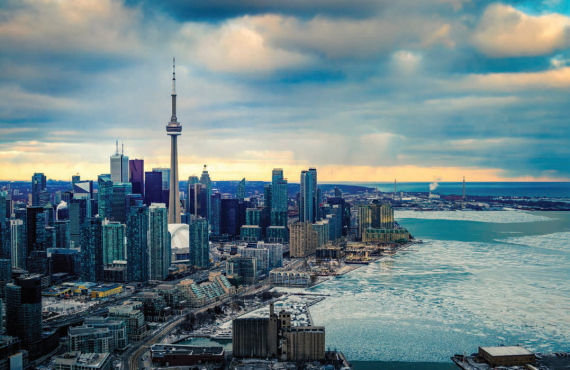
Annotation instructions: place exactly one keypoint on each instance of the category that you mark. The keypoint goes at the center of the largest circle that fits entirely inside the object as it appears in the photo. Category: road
(134, 358)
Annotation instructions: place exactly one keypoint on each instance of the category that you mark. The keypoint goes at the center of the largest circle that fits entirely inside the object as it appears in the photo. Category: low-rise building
(184, 355)
(82, 361)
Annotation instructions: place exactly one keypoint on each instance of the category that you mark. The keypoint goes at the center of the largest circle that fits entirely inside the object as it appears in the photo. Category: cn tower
(173, 129)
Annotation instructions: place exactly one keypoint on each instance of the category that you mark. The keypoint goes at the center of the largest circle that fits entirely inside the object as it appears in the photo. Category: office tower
(105, 185)
(303, 239)
(137, 244)
(216, 203)
(198, 242)
(308, 197)
(173, 129)
(4, 226)
(18, 243)
(253, 216)
(152, 187)
(136, 175)
(159, 240)
(207, 182)
(79, 211)
(24, 309)
(83, 187)
(50, 237)
(193, 180)
(35, 230)
(65, 260)
(198, 200)
(278, 198)
(38, 186)
(113, 242)
(92, 249)
(75, 179)
(119, 202)
(240, 192)
(5, 275)
(119, 166)
(229, 217)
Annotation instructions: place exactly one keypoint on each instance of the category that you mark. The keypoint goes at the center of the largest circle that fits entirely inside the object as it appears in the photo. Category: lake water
(528, 189)
(478, 279)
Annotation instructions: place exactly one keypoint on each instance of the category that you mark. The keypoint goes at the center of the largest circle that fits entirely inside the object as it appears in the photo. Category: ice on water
(444, 297)
(477, 216)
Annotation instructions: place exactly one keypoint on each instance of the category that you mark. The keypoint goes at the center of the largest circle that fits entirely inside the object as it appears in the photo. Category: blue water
(470, 284)
(527, 189)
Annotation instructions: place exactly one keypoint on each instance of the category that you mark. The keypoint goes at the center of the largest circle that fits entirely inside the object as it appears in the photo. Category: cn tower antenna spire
(173, 76)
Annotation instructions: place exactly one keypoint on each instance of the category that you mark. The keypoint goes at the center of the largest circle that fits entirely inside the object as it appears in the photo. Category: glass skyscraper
(152, 188)
(24, 309)
(137, 244)
(136, 175)
(92, 249)
(198, 242)
(159, 239)
(105, 185)
(38, 186)
(119, 202)
(113, 242)
(278, 198)
(308, 198)
(119, 167)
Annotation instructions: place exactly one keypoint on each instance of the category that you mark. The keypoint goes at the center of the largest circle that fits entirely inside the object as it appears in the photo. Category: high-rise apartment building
(278, 198)
(119, 166)
(159, 240)
(303, 239)
(137, 244)
(113, 242)
(104, 192)
(375, 216)
(92, 250)
(309, 197)
(198, 242)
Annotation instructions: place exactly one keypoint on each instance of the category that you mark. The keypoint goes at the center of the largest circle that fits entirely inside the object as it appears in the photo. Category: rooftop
(506, 351)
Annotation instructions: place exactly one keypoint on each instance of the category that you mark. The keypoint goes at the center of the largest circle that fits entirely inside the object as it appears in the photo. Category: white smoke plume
(433, 186)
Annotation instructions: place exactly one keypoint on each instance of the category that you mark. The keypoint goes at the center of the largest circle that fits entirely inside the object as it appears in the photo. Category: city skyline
(371, 92)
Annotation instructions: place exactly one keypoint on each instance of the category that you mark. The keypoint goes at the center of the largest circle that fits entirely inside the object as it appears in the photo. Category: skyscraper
(173, 129)
(113, 242)
(92, 250)
(18, 243)
(105, 185)
(38, 187)
(137, 244)
(240, 192)
(136, 175)
(278, 198)
(119, 166)
(35, 229)
(24, 309)
(308, 198)
(207, 182)
(198, 242)
(119, 202)
(159, 240)
(152, 187)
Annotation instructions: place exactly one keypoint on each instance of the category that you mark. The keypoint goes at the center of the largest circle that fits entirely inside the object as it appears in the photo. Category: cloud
(554, 78)
(505, 31)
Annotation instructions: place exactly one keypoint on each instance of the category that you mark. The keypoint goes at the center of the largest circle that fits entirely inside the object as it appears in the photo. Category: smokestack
(463, 187)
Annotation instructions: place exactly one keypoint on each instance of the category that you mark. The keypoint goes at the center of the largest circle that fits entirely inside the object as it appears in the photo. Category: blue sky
(363, 90)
